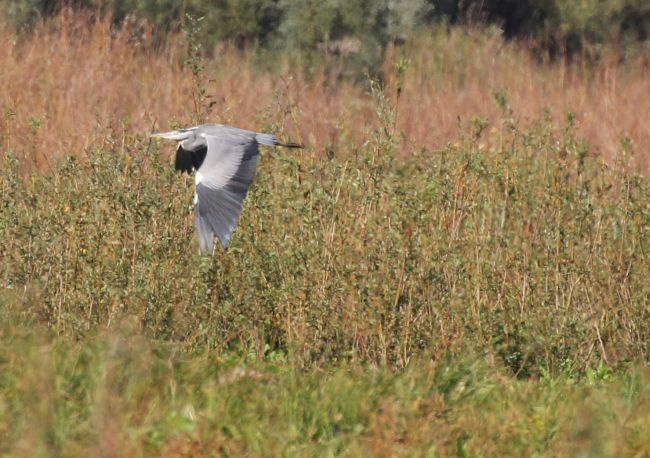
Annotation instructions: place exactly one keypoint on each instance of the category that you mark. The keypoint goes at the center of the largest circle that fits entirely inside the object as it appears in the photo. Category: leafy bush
(523, 247)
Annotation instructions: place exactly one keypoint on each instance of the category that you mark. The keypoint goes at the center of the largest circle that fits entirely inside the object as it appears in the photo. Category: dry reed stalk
(76, 82)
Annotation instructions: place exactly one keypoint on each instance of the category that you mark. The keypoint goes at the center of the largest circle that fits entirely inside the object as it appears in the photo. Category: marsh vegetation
(457, 264)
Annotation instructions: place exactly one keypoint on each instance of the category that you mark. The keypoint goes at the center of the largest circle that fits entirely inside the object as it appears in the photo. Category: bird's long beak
(173, 135)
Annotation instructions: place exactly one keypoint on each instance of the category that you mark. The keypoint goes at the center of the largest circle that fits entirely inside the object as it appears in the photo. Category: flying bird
(225, 159)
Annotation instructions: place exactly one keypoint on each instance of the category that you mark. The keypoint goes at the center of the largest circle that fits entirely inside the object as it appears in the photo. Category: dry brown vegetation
(74, 82)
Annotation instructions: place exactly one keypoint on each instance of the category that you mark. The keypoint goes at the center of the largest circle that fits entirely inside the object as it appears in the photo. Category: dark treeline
(360, 30)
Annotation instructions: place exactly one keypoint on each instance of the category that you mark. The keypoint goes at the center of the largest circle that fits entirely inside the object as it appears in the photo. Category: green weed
(124, 395)
(518, 245)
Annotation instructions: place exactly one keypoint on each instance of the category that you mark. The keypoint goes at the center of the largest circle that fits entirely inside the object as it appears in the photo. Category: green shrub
(524, 247)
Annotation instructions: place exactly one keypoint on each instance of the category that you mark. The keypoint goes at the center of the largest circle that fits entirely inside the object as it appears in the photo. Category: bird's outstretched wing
(222, 182)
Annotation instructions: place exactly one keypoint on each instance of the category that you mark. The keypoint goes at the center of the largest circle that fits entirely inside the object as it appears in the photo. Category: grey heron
(225, 159)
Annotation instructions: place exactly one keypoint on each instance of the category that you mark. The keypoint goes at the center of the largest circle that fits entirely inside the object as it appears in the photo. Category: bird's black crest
(290, 145)
(186, 159)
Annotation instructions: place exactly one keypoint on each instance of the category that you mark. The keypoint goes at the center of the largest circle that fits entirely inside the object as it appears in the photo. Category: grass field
(124, 395)
(411, 283)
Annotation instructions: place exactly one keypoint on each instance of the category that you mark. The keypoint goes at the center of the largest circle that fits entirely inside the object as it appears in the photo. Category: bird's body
(225, 159)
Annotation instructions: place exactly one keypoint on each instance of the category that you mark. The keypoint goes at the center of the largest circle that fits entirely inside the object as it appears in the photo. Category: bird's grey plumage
(225, 158)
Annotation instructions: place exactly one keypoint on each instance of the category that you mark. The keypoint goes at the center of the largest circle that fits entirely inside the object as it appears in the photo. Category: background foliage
(358, 32)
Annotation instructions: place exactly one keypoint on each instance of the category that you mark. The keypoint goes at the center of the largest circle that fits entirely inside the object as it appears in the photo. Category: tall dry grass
(460, 79)
(75, 82)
